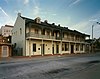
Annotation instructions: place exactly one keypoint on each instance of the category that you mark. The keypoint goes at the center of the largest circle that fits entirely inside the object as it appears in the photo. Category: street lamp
(92, 34)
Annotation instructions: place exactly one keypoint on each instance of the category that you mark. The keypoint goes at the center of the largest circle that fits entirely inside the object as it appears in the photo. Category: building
(33, 37)
(5, 46)
(6, 30)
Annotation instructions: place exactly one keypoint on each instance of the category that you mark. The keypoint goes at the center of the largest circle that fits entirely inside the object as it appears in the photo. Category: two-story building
(6, 30)
(33, 37)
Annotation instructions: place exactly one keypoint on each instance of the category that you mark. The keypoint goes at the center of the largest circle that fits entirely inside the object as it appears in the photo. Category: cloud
(86, 25)
(93, 20)
(74, 2)
(95, 17)
(54, 14)
(5, 18)
(6, 21)
(18, 11)
(36, 8)
(26, 2)
(89, 21)
(4, 12)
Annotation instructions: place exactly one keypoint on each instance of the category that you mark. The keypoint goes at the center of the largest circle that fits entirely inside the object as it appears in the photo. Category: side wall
(18, 36)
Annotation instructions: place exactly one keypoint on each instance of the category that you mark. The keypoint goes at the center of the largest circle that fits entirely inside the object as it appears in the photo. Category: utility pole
(92, 34)
(92, 38)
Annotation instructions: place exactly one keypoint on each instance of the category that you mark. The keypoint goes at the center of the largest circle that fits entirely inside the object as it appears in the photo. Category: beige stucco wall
(48, 47)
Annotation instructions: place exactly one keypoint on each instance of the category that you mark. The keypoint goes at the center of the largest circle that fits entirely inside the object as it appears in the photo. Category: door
(57, 49)
(42, 49)
(72, 48)
(53, 50)
(4, 51)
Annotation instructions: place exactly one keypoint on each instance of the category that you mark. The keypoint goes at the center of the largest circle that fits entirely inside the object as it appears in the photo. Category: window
(38, 20)
(20, 31)
(63, 47)
(8, 39)
(4, 33)
(63, 35)
(66, 47)
(52, 33)
(43, 32)
(7, 30)
(34, 47)
(36, 31)
(77, 47)
(48, 33)
(81, 47)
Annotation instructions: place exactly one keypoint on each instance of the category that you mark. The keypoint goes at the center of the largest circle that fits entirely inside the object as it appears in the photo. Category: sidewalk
(23, 58)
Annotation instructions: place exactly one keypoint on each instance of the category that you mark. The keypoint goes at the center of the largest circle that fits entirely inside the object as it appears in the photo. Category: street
(86, 66)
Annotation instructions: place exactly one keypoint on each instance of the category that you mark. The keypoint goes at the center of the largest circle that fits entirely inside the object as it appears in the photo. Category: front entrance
(72, 48)
(42, 49)
(4, 51)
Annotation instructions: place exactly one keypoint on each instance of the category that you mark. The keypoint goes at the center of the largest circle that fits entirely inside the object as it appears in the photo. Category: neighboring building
(33, 37)
(6, 30)
(5, 46)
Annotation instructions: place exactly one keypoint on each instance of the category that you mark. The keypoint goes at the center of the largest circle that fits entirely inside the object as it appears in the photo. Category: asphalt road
(85, 66)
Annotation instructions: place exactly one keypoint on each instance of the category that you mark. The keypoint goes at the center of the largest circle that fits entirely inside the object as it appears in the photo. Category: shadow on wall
(16, 51)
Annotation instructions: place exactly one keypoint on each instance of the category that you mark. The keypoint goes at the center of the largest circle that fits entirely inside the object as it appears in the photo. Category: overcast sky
(74, 14)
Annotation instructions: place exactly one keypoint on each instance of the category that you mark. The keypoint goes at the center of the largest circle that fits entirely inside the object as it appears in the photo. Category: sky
(77, 15)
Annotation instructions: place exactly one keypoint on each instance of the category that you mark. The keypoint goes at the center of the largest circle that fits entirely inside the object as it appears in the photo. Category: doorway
(4, 51)
(57, 49)
(72, 49)
(42, 49)
(53, 50)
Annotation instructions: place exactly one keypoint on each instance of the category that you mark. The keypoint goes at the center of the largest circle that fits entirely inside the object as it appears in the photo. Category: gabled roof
(27, 19)
(9, 26)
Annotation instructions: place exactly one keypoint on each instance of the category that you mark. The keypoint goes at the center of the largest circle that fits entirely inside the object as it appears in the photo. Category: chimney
(19, 14)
